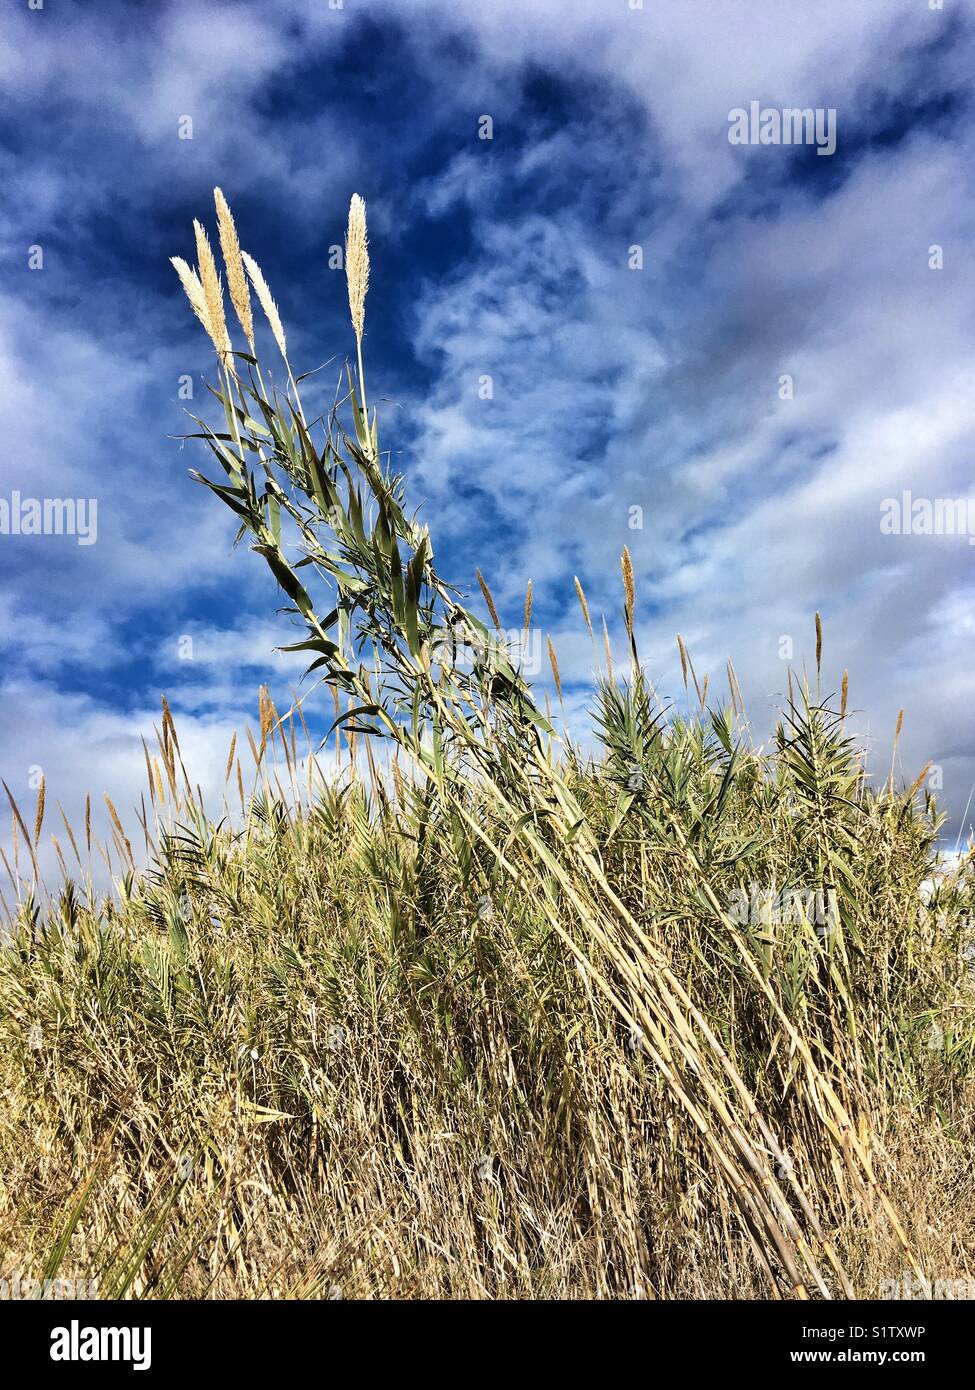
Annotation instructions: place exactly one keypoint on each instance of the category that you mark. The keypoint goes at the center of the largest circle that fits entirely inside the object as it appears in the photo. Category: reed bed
(471, 1012)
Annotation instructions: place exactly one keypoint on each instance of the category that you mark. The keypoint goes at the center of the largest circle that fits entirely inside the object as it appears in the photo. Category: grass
(478, 1014)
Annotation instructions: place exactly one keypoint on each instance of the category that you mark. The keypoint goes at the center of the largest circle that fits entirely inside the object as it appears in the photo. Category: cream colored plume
(212, 294)
(626, 564)
(194, 293)
(266, 302)
(357, 264)
(236, 279)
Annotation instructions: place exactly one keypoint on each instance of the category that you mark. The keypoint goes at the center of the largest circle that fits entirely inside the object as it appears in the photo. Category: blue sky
(614, 387)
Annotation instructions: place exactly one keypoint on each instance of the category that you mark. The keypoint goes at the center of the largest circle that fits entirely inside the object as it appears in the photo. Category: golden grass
(286, 1054)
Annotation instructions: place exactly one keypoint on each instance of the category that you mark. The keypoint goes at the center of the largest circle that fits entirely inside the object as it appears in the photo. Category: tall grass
(488, 1018)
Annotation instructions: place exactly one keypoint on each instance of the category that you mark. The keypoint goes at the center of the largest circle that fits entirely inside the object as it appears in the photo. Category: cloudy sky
(754, 344)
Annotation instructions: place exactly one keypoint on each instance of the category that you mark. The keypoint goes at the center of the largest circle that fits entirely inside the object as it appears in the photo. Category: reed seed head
(39, 817)
(194, 293)
(819, 642)
(357, 264)
(267, 721)
(553, 662)
(488, 599)
(609, 651)
(230, 758)
(236, 279)
(584, 604)
(916, 785)
(266, 302)
(212, 294)
(627, 567)
(683, 658)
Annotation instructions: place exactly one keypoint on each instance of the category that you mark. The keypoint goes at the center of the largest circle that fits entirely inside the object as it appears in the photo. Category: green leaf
(285, 577)
(352, 714)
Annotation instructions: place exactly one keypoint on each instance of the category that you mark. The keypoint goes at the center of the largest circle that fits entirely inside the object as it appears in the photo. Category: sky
(727, 357)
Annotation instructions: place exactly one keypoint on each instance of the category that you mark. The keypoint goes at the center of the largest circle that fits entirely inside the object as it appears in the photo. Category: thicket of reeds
(464, 1010)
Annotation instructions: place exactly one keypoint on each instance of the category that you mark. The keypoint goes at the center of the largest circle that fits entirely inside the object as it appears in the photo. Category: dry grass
(336, 1049)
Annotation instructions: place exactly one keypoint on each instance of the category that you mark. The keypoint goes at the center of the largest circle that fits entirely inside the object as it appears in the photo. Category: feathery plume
(553, 662)
(918, 780)
(608, 649)
(736, 695)
(731, 689)
(626, 565)
(274, 717)
(357, 264)
(67, 826)
(264, 698)
(893, 751)
(194, 293)
(266, 302)
(584, 604)
(528, 606)
(212, 294)
(843, 694)
(118, 826)
(39, 818)
(236, 279)
(169, 723)
(488, 599)
(230, 758)
(683, 658)
(819, 642)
